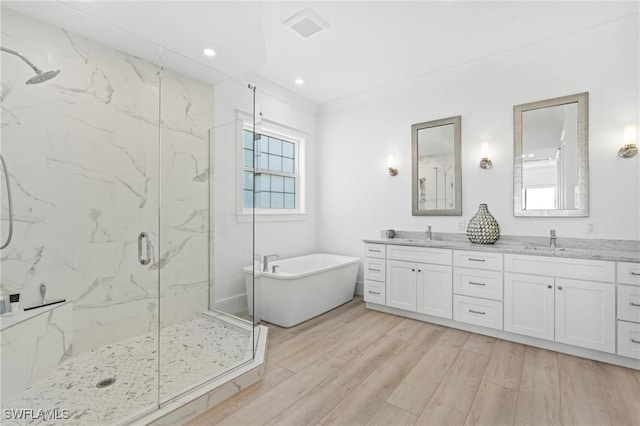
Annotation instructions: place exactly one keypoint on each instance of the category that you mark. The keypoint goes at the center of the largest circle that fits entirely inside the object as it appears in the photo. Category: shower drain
(106, 382)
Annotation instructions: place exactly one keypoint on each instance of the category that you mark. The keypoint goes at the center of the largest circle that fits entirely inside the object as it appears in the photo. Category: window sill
(271, 217)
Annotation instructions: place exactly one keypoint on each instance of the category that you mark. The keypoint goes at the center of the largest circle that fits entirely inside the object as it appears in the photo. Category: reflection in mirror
(436, 168)
(551, 157)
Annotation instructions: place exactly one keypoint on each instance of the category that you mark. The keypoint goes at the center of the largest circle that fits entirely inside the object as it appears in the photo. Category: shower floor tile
(190, 352)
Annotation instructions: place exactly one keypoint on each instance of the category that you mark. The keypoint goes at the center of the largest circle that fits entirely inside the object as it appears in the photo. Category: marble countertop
(611, 250)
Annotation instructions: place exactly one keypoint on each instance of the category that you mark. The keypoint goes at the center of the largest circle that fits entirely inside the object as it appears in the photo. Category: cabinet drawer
(374, 292)
(581, 269)
(629, 303)
(487, 313)
(477, 283)
(374, 250)
(374, 269)
(478, 260)
(629, 273)
(629, 339)
(419, 254)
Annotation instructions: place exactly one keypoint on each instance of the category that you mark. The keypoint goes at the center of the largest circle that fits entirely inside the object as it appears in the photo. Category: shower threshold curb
(199, 400)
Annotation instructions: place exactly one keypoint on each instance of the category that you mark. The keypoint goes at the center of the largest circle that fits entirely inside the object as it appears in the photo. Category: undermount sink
(544, 249)
(418, 240)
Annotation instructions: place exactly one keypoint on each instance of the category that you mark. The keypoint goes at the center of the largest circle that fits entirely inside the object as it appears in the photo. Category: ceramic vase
(483, 228)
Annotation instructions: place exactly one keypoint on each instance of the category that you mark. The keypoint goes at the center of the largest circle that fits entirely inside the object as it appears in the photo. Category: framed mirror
(551, 157)
(436, 169)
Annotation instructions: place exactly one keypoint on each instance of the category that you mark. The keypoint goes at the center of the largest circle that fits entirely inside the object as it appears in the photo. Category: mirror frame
(457, 210)
(582, 99)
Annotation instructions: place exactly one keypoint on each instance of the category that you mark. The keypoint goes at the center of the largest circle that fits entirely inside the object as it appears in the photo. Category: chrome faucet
(428, 233)
(265, 261)
(552, 239)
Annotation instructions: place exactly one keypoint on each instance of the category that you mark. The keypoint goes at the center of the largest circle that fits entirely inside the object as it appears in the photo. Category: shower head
(40, 76)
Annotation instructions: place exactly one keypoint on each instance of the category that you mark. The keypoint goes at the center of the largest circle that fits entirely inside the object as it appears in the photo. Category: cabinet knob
(413, 270)
(549, 286)
(559, 287)
(419, 270)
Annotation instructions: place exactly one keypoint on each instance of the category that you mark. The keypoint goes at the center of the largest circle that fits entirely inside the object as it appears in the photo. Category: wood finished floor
(354, 366)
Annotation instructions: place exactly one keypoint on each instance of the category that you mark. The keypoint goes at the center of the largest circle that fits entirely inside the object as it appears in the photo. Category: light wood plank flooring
(354, 366)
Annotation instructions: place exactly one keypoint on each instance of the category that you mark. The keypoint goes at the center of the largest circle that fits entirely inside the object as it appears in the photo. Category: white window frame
(280, 131)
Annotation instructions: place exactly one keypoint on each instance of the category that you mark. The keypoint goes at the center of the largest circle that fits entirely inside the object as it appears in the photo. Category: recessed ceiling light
(299, 81)
(209, 52)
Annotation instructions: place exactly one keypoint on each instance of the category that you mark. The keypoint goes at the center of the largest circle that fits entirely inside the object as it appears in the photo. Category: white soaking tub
(301, 288)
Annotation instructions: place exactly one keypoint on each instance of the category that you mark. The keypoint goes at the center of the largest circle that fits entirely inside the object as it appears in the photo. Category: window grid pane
(272, 191)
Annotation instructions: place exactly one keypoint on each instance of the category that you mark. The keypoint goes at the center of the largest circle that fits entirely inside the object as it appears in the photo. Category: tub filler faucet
(552, 239)
(428, 233)
(265, 261)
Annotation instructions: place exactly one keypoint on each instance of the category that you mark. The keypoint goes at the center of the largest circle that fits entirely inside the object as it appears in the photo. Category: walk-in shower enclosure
(112, 169)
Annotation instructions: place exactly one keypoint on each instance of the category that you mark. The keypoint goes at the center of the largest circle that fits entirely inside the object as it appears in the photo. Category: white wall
(287, 235)
(358, 198)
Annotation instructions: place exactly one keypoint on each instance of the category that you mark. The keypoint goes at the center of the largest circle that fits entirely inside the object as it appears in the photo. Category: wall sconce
(391, 164)
(629, 149)
(485, 163)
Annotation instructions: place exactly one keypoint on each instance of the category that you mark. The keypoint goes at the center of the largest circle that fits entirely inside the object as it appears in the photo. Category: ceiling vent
(306, 23)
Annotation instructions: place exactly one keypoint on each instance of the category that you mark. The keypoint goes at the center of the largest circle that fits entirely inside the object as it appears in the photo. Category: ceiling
(367, 44)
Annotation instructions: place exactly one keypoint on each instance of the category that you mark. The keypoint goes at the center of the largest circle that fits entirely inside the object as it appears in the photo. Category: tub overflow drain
(106, 382)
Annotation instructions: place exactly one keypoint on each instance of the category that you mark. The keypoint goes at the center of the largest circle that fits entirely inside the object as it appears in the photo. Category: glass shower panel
(200, 335)
(82, 152)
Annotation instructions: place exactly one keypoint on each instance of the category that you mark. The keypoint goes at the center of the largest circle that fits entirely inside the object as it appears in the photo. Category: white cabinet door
(401, 285)
(586, 314)
(434, 286)
(529, 305)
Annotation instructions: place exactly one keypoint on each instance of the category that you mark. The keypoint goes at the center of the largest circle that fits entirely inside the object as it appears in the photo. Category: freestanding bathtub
(301, 288)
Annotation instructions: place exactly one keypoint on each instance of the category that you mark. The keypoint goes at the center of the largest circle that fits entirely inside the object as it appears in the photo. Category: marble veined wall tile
(84, 150)
(34, 347)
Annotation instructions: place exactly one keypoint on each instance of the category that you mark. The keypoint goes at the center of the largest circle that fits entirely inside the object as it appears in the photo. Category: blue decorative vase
(483, 228)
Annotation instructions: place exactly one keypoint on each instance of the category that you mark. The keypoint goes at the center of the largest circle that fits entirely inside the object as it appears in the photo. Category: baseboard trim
(232, 304)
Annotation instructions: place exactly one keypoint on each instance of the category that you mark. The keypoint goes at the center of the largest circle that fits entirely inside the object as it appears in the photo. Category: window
(270, 172)
(539, 198)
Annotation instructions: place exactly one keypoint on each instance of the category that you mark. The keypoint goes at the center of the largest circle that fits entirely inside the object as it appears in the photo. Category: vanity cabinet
(572, 311)
(628, 320)
(588, 307)
(415, 285)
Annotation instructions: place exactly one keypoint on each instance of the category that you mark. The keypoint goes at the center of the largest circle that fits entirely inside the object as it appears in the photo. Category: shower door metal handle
(9, 203)
(144, 260)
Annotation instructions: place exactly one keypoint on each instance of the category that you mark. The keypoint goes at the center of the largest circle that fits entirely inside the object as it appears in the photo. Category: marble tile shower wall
(83, 154)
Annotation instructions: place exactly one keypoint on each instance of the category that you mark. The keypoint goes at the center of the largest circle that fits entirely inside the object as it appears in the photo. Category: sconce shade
(629, 149)
(485, 163)
(391, 164)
